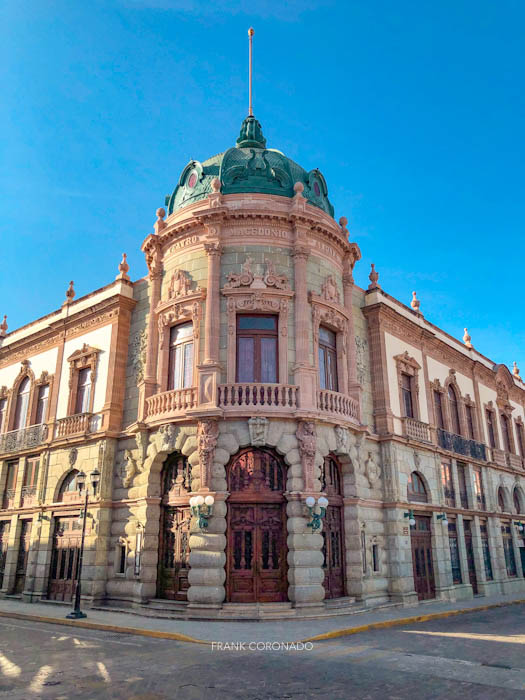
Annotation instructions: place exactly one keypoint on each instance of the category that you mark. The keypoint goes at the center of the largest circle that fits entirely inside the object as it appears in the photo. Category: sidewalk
(205, 632)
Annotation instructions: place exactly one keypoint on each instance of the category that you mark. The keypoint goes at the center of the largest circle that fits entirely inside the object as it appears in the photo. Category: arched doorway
(421, 541)
(333, 530)
(174, 551)
(256, 550)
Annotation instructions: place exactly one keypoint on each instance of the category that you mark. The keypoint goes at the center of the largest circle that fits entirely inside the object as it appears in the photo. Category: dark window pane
(322, 368)
(266, 323)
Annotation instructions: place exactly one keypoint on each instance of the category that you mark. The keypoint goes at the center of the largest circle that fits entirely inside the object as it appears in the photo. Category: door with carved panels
(473, 579)
(333, 530)
(23, 555)
(174, 549)
(423, 566)
(256, 549)
(64, 558)
(4, 539)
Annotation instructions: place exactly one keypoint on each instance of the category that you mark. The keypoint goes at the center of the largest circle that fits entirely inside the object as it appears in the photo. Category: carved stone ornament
(272, 279)
(307, 438)
(138, 350)
(207, 435)
(342, 437)
(187, 309)
(329, 290)
(247, 278)
(373, 277)
(180, 285)
(372, 470)
(168, 434)
(72, 457)
(131, 468)
(258, 430)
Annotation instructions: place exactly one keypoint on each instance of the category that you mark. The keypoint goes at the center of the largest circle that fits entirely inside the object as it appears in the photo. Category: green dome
(249, 167)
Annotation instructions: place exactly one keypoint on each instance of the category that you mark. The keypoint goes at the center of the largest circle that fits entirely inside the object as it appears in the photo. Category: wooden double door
(174, 555)
(4, 539)
(333, 530)
(423, 567)
(473, 579)
(64, 558)
(23, 555)
(256, 545)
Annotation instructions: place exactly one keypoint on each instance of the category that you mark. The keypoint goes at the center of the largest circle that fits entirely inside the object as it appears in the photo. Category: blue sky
(414, 112)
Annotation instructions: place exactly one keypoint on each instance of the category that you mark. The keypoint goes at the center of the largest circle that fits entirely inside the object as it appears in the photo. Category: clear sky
(414, 112)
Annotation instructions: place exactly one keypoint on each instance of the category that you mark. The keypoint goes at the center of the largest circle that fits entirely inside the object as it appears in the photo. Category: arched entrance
(175, 517)
(256, 549)
(333, 530)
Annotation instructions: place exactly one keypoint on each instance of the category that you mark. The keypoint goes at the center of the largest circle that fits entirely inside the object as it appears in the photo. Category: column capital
(213, 248)
(301, 252)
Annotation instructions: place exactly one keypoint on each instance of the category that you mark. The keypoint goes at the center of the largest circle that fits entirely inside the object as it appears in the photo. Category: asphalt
(290, 630)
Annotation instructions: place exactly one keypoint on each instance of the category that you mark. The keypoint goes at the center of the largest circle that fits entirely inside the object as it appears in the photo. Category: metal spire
(250, 35)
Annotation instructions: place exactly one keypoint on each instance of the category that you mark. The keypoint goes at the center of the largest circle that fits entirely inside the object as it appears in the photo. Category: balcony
(78, 424)
(514, 461)
(461, 445)
(24, 439)
(338, 405)
(170, 404)
(255, 398)
(416, 430)
(28, 496)
(8, 500)
(498, 457)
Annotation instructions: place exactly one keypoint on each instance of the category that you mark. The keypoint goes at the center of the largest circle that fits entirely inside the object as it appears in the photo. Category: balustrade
(270, 397)
(337, 404)
(176, 401)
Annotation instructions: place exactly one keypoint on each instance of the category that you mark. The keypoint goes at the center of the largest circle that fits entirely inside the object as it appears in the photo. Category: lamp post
(76, 613)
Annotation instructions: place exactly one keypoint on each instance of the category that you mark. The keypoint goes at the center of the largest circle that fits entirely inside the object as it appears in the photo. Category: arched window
(22, 404)
(69, 490)
(505, 429)
(180, 369)
(416, 489)
(454, 411)
(176, 476)
(501, 500)
(516, 500)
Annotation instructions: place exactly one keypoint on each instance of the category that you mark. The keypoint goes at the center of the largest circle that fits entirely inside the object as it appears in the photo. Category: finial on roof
(515, 370)
(373, 277)
(123, 268)
(216, 184)
(3, 328)
(70, 293)
(415, 303)
(467, 339)
(251, 32)
(160, 224)
(251, 135)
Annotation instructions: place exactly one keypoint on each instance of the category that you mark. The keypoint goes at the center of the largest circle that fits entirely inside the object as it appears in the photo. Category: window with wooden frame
(520, 436)
(82, 377)
(462, 481)
(180, 362)
(407, 404)
(455, 560)
(506, 433)
(438, 410)
(448, 484)
(416, 489)
(469, 414)
(408, 382)
(455, 424)
(42, 400)
(69, 489)
(328, 359)
(479, 488)
(30, 480)
(257, 349)
(491, 427)
(3, 415)
(8, 499)
(22, 404)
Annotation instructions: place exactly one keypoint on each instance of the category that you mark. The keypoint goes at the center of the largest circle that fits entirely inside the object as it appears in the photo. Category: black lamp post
(76, 613)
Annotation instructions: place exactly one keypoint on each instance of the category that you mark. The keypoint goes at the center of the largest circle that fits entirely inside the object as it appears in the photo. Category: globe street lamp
(76, 613)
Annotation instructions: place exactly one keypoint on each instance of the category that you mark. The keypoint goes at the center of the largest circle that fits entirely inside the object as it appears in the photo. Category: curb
(105, 628)
(345, 632)
(334, 634)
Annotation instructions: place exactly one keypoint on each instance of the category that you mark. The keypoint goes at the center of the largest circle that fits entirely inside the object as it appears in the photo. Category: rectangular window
(521, 442)
(180, 366)
(406, 393)
(31, 472)
(490, 428)
(454, 554)
(257, 349)
(121, 558)
(83, 401)
(448, 484)
(505, 430)
(363, 550)
(508, 548)
(470, 422)
(486, 551)
(462, 481)
(438, 409)
(41, 404)
(10, 485)
(3, 409)
(478, 486)
(327, 359)
(375, 557)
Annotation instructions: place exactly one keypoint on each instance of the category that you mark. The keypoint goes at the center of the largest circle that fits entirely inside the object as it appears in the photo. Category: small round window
(192, 180)
(317, 189)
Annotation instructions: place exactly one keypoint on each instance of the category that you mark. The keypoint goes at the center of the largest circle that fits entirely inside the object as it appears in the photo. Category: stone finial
(3, 328)
(70, 293)
(123, 268)
(160, 224)
(415, 303)
(298, 188)
(467, 339)
(216, 185)
(343, 221)
(515, 370)
(373, 277)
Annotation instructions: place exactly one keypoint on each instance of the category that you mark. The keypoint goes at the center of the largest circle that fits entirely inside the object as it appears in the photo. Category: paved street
(477, 655)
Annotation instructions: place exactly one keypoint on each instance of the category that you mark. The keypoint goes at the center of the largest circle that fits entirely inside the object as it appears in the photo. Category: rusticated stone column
(305, 557)
(207, 560)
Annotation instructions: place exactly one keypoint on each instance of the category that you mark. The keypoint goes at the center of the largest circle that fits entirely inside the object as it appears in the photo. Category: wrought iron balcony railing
(461, 445)
(23, 439)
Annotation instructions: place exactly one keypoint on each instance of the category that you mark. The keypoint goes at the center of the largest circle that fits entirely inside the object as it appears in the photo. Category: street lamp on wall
(94, 477)
(411, 519)
(202, 508)
(316, 511)
(520, 526)
(443, 518)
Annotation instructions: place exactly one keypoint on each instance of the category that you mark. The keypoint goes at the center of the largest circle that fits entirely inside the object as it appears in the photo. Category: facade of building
(247, 366)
